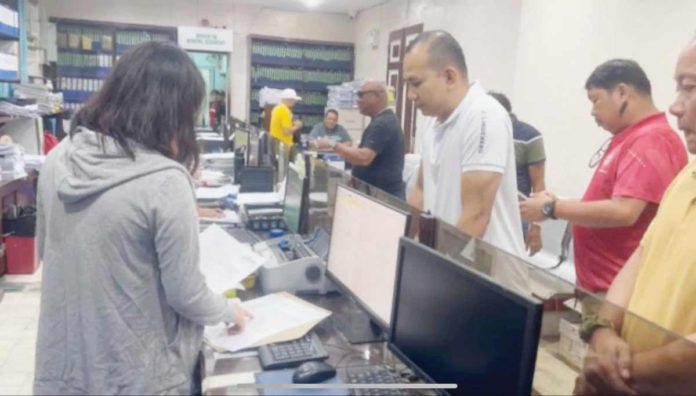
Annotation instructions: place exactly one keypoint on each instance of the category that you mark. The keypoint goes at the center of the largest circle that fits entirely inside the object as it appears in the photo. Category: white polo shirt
(477, 136)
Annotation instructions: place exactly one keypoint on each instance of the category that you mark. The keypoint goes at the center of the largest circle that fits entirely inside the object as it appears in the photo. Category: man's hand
(241, 317)
(323, 144)
(297, 125)
(533, 242)
(531, 208)
(607, 368)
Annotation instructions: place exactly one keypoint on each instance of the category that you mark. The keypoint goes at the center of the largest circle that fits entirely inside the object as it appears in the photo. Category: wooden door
(405, 108)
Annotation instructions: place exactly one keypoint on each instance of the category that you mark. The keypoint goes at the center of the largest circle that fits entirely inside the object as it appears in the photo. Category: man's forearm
(670, 369)
(594, 214)
(474, 223)
(354, 156)
(415, 199)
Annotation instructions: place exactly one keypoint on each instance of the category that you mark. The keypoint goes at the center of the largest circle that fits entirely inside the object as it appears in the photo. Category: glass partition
(661, 361)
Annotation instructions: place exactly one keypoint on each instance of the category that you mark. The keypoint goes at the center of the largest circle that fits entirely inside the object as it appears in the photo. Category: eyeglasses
(599, 154)
(363, 93)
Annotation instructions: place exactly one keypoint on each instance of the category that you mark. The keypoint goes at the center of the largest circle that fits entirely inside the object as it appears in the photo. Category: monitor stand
(357, 327)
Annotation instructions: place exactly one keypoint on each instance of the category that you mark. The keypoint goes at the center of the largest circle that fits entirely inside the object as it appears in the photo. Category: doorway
(213, 67)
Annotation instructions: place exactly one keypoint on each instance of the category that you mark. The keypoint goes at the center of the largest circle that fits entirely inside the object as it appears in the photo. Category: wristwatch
(591, 324)
(549, 209)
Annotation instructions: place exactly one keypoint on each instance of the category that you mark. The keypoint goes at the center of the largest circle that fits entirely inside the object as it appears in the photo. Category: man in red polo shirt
(642, 157)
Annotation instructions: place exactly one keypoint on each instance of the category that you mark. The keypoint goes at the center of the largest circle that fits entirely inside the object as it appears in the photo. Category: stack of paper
(33, 162)
(212, 193)
(12, 161)
(12, 110)
(224, 261)
(222, 162)
(277, 317)
(258, 198)
(47, 102)
(211, 178)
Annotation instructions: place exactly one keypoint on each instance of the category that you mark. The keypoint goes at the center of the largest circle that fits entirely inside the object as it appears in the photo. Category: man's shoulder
(386, 120)
(523, 131)
(484, 106)
(652, 134)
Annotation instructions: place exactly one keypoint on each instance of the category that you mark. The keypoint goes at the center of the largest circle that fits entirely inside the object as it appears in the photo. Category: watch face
(546, 209)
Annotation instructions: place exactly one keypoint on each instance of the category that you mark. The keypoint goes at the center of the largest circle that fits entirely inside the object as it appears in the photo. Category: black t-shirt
(385, 137)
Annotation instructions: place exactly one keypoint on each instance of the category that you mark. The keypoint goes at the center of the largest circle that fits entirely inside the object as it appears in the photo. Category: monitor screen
(256, 179)
(364, 250)
(295, 201)
(454, 325)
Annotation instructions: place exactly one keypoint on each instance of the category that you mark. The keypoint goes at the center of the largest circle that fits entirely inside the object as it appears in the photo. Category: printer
(294, 264)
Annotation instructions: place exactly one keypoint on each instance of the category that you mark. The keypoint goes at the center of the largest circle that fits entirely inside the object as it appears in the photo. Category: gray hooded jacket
(123, 301)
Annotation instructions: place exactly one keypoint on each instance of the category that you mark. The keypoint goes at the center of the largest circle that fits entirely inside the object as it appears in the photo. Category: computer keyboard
(377, 374)
(292, 353)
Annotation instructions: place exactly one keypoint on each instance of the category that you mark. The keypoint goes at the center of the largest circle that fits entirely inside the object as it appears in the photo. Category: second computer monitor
(454, 325)
(295, 204)
(364, 250)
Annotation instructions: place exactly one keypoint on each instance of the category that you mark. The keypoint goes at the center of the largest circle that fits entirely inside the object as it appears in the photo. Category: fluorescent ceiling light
(312, 3)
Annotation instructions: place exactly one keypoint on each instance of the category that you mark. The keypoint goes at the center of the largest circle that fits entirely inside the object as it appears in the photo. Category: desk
(552, 376)
(342, 354)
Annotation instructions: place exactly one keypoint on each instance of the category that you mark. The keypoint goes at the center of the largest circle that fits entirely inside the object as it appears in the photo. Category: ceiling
(329, 6)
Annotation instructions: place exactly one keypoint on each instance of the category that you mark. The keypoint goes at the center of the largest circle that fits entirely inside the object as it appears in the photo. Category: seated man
(626, 355)
(330, 129)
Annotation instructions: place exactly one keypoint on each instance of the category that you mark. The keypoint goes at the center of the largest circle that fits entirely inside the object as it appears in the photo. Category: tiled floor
(19, 313)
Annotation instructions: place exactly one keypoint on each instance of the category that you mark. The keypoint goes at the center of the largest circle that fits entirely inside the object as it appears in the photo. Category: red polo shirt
(640, 163)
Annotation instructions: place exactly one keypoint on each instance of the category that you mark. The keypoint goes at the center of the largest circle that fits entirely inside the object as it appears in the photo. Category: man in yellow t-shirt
(628, 353)
(282, 126)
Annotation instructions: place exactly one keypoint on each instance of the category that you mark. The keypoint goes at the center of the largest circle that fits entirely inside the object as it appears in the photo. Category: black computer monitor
(362, 260)
(452, 324)
(296, 203)
(256, 179)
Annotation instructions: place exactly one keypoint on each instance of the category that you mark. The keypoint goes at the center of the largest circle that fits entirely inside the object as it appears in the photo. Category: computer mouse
(313, 372)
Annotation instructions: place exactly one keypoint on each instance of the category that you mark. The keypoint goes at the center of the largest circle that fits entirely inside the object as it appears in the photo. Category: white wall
(562, 42)
(243, 19)
(487, 31)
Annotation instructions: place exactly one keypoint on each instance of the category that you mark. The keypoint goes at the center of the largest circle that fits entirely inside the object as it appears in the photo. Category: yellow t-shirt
(665, 290)
(281, 118)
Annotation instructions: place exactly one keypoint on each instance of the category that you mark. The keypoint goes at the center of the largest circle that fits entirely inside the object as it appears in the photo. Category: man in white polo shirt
(467, 175)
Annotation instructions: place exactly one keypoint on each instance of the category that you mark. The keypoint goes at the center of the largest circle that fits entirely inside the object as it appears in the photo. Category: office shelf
(87, 50)
(305, 66)
(8, 32)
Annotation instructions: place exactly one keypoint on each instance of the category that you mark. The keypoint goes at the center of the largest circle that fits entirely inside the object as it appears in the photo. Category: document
(216, 192)
(277, 317)
(258, 198)
(214, 156)
(229, 217)
(224, 261)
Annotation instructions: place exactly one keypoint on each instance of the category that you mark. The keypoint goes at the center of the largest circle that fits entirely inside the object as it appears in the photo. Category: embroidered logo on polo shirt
(482, 137)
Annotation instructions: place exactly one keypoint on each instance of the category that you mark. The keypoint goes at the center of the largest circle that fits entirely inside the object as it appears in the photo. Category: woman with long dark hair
(123, 302)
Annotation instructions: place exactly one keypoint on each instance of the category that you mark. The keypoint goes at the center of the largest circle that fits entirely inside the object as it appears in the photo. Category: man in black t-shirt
(379, 159)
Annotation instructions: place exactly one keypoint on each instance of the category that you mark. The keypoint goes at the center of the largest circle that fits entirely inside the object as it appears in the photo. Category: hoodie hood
(90, 163)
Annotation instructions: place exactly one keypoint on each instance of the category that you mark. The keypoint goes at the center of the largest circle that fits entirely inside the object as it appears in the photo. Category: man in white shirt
(467, 173)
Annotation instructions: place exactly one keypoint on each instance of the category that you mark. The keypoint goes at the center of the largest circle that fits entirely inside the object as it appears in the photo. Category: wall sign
(205, 39)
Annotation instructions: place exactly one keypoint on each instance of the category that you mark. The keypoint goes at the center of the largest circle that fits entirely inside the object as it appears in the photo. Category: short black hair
(617, 71)
(443, 49)
(502, 99)
(331, 111)
(150, 97)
